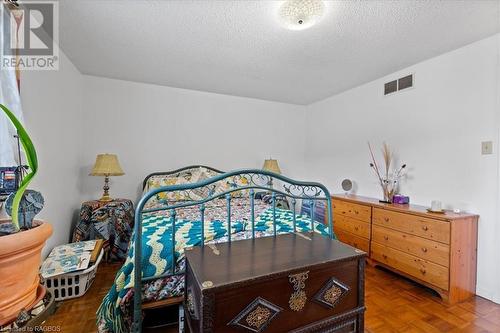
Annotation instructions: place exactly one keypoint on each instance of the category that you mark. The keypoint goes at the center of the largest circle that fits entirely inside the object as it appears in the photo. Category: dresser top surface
(409, 209)
(251, 259)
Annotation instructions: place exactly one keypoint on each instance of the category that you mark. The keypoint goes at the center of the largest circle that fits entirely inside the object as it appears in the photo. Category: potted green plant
(20, 251)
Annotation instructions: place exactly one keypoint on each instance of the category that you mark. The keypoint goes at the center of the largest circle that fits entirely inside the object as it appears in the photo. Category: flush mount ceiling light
(300, 14)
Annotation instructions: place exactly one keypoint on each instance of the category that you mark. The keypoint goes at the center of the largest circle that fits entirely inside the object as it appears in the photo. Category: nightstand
(112, 221)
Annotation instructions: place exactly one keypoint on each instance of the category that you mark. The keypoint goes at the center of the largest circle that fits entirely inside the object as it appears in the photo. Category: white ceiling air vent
(399, 84)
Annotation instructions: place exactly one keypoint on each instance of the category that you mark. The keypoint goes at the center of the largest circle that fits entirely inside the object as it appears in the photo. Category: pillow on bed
(180, 178)
(183, 177)
(228, 184)
(201, 192)
(192, 176)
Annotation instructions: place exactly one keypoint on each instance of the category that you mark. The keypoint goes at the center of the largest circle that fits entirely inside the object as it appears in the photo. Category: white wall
(436, 128)
(155, 128)
(52, 105)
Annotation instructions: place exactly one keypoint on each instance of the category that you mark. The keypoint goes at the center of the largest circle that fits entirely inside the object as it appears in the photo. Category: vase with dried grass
(389, 177)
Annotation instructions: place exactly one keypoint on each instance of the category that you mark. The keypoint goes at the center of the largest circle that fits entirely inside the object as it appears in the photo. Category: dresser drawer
(356, 227)
(413, 224)
(429, 272)
(420, 247)
(353, 240)
(344, 208)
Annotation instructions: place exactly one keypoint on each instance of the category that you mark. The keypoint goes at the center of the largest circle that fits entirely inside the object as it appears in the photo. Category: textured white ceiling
(238, 47)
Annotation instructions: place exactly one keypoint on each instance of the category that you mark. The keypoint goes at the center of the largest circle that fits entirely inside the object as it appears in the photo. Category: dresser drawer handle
(424, 250)
(386, 219)
(425, 228)
(422, 271)
(356, 212)
(356, 228)
(384, 256)
(386, 237)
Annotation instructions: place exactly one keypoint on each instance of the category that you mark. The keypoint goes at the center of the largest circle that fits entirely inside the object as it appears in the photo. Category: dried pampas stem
(389, 180)
(374, 165)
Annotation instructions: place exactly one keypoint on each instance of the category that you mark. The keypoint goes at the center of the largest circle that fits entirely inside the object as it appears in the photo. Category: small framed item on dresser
(289, 283)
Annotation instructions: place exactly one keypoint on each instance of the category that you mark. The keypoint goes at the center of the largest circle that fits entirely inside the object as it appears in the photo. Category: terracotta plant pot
(20, 256)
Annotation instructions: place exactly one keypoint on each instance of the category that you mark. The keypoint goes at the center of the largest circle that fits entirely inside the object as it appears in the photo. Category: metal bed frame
(248, 180)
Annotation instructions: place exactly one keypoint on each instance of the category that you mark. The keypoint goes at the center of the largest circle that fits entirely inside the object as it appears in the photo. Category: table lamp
(106, 165)
(272, 166)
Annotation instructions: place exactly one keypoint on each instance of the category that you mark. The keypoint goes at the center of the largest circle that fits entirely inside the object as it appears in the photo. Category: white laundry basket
(72, 285)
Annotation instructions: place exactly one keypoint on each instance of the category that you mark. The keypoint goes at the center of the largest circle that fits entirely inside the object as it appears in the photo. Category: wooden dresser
(436, 250)
(289, 283)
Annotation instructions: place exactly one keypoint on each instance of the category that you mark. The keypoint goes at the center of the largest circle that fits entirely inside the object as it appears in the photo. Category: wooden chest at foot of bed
(289, 283)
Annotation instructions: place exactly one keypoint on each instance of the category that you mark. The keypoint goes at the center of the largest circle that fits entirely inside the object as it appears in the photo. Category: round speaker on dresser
(347, 185)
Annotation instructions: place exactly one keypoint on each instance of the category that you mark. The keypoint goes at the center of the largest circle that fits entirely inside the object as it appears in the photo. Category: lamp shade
(107, 165)
(271, 165)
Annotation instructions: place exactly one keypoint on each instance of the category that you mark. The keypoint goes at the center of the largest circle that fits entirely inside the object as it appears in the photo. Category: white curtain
(9, 96)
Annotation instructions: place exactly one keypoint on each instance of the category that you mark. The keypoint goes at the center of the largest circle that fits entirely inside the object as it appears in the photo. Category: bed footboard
(240, 183)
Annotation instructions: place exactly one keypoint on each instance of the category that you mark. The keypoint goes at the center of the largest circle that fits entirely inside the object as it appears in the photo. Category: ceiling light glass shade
(300, 14)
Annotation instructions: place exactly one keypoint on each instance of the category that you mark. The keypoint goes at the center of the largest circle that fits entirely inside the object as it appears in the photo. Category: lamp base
(106, 198)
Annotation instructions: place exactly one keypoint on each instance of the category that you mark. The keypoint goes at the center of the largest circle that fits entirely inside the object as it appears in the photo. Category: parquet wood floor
(394, 304)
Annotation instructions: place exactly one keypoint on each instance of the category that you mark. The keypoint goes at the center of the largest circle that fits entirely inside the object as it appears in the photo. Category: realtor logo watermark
(30, 35)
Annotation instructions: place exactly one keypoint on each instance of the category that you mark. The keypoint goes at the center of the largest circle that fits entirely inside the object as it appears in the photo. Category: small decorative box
(401, 199)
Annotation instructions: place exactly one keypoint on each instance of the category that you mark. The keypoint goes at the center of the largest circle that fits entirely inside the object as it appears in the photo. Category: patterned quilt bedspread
(115, 313)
